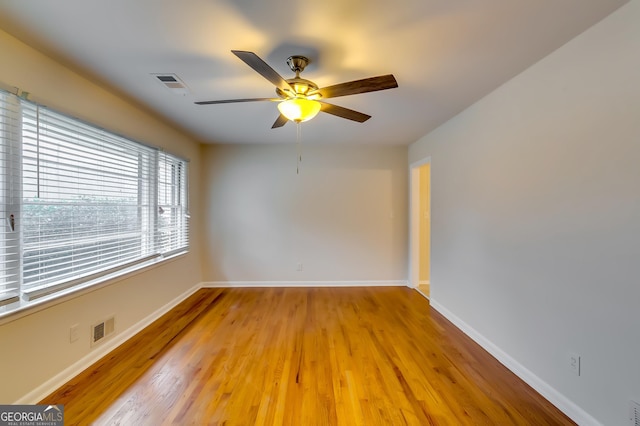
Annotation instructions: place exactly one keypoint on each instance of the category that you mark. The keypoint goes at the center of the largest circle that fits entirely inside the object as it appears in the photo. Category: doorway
(420, 235)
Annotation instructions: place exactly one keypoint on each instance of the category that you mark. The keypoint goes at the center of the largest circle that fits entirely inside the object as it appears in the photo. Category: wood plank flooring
(295, 356)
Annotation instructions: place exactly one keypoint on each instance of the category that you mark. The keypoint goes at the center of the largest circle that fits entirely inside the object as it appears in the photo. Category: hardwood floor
(294, 356)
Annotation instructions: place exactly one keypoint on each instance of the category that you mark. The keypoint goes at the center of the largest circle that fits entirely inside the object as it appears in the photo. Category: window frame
(10, 130)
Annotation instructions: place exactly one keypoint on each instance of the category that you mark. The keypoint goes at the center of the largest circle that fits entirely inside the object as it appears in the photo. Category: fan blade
(230, 101)
(343, 112)
(371, 84)
(280, 121)
(262, 68)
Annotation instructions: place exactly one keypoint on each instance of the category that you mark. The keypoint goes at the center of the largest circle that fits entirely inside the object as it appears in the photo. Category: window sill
(13, 311)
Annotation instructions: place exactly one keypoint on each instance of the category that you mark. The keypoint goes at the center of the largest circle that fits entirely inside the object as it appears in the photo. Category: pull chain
(298, 147)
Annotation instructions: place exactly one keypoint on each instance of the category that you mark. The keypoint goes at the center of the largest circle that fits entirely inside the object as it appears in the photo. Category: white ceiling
(445, 55)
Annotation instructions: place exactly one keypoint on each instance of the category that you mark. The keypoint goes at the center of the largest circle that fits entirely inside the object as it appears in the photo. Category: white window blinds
(86, 199)
(81, 202)
(173, 229)
(10, 196)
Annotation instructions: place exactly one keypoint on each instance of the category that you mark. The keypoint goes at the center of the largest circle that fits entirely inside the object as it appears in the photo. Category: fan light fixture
(299, 109)
(299, 99)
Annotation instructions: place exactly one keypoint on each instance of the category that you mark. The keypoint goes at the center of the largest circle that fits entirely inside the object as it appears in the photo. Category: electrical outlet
(574, 363)
(299, 268)
(73, 333)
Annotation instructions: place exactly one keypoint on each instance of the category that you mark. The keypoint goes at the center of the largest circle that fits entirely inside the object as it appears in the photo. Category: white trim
(423, 295)
(37, 292)
(422, 162)
(414, 221)
(564, 404)
(37, 394)
(373, 283)
(414, 227)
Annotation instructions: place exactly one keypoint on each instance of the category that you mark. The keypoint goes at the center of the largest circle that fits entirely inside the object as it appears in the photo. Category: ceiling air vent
(173, 83)
(634, 413)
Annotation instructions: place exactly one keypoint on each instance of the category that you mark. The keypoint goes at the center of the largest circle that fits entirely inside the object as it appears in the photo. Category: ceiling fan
(301, 100)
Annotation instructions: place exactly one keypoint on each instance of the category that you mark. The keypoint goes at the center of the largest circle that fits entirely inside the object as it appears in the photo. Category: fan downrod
(297, 63)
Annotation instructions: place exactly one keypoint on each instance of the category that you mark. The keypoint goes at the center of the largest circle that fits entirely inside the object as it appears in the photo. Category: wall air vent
(173, 83)
(103, 329)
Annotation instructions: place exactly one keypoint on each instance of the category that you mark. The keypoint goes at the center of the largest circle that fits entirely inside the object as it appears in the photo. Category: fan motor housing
(301, 87)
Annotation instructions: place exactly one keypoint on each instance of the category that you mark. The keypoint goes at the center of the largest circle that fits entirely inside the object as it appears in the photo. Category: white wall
(536, 216)
(35, 348)
(344, 217)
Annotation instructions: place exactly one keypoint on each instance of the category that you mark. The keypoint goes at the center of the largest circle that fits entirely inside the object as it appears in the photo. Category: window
(9, 194)
(86, 202)
(172, 197)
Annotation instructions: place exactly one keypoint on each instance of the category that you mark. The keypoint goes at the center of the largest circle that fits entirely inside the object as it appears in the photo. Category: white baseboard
(423, 295)
(563, 403)
(394, 283)
(85, 362)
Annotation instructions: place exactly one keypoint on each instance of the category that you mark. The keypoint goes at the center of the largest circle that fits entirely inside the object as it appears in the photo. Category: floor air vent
(102, 330)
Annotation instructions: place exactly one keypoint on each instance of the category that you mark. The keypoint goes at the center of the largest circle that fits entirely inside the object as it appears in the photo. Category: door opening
(420, 236)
